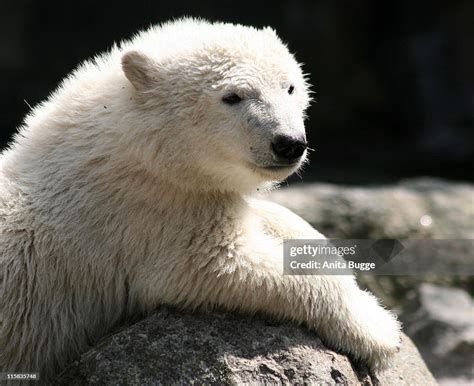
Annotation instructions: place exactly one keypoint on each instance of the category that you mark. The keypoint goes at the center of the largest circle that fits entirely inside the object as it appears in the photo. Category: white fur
(127, 189)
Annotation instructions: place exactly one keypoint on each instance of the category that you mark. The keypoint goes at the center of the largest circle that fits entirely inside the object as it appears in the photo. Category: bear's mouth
(275, 171)
(280, 167)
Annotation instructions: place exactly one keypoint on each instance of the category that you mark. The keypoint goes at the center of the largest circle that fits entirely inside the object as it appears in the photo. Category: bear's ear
(139, 69)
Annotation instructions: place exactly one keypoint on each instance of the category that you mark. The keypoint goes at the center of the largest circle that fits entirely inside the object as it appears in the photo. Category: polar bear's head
(223, 105)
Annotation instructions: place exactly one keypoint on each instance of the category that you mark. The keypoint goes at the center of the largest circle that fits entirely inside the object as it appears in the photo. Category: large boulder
(441, 322)
(224, 348)
(414, 208)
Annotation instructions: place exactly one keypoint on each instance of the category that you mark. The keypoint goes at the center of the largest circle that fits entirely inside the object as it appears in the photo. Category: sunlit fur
(129, 188)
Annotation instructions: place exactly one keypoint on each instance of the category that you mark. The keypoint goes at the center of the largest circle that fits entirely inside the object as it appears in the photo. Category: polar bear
(132, 186)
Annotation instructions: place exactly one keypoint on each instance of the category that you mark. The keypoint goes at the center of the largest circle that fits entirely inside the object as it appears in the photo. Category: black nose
(288, 149)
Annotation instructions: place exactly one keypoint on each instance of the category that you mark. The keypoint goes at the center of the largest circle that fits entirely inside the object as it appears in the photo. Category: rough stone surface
(177, 347)
(441, 322)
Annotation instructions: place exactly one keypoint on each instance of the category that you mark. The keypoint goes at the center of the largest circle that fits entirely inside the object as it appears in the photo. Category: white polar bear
(128, 188)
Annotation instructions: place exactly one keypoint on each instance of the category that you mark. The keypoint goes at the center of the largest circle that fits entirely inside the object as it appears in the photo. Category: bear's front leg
(345, 317)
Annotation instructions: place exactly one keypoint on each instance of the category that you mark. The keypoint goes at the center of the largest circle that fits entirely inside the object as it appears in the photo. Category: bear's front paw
(377, 332)
(386, 341)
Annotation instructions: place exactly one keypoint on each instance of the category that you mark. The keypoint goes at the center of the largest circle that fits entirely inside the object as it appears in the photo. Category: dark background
(394, 81)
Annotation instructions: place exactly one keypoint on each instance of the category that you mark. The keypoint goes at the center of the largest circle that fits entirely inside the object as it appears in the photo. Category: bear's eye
(291, 89)
(231, 99)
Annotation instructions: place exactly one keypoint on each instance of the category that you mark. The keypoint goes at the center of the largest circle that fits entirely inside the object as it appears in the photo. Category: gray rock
(177, 347)
(413, 208)
(441, 322)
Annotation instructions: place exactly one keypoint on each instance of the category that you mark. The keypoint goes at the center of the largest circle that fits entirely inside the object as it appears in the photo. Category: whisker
(24, 100)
